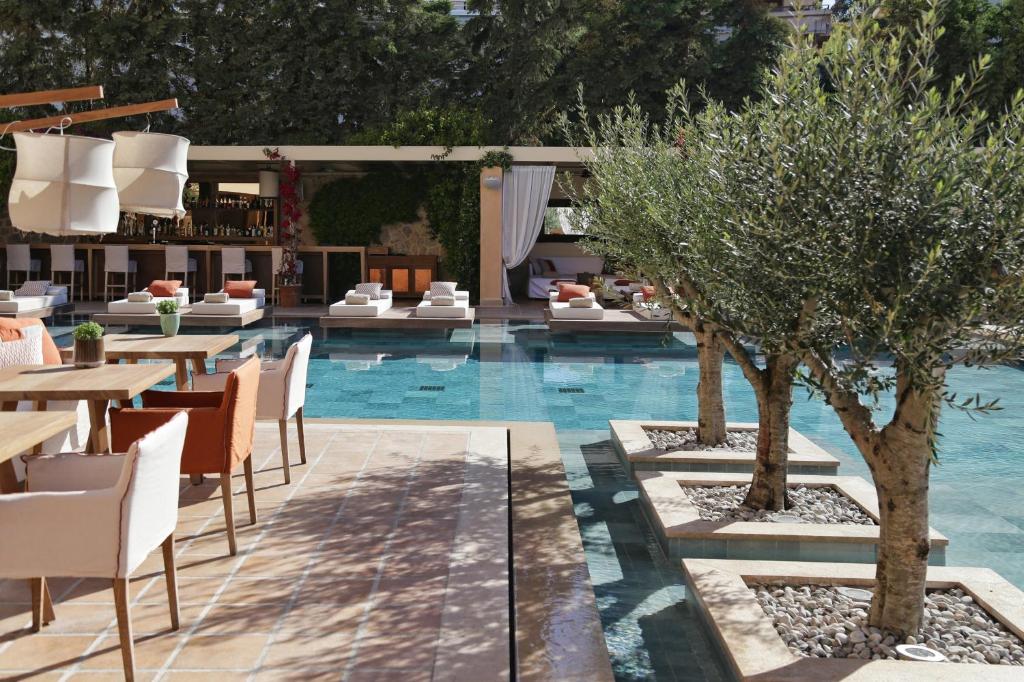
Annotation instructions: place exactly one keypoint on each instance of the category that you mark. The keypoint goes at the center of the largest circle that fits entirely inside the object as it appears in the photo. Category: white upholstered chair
(234, 263)
(63, 261)
(19, 259)
(177, 261)
(116, 262)
(97, 516)
(282, 392)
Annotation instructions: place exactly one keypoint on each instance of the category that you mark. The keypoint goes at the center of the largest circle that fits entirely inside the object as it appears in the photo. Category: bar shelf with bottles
(212, 217)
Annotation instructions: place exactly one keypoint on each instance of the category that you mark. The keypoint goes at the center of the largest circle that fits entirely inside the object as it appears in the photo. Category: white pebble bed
(686, 439)
(809, 505)
(817, 621)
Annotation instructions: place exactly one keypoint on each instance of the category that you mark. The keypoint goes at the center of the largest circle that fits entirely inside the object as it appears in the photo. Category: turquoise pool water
(521, 372)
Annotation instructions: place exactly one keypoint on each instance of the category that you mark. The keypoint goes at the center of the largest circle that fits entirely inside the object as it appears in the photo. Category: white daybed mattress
(371, 309)
(457, 311)
(540, 287)
(234, 306)
(564, 311)
(25, 303)
(125, 307)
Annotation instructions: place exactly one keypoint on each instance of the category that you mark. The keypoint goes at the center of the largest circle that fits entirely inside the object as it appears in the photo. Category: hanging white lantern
(63, 185)
(270, 183)
(150, 170)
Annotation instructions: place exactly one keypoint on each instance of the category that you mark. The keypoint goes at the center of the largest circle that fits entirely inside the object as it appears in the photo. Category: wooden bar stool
(177, 261)
(116, 262)
(19, 259)
(62, 260)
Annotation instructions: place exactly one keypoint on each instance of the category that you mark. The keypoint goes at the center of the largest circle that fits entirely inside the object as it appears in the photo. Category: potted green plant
(170, 318)
(88, 345)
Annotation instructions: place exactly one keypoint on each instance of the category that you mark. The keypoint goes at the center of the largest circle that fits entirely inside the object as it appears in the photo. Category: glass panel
(423, 277)
(377, 275)
(400, 280)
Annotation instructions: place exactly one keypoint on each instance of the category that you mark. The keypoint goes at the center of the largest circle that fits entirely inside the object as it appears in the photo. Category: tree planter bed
(684, 534)
(638, 453)
(720, 592)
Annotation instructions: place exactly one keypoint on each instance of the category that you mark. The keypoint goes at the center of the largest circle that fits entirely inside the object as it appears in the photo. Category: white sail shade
(150, 170)
(63, 185)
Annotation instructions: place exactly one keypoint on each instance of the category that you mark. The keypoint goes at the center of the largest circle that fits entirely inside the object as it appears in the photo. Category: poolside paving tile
(346, 574)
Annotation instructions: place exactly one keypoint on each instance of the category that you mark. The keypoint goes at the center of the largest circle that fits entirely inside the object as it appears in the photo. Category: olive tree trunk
(774, 392)
(899, 457)
(710, 403)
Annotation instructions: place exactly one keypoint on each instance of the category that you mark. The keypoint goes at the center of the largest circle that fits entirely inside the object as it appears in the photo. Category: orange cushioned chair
(221, 426)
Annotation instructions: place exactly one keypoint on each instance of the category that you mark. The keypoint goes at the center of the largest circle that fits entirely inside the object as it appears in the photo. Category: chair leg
(36, 585)
(229, 511)
(171, 578)
(282, 426)
(250, 489)
(302, 435)
(124, 627)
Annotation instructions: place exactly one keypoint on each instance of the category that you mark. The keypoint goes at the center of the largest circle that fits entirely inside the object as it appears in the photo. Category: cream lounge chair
(566, 311)
(33, 295)
(372, 307)
(458, 309)
(138, 305)
(231, 306)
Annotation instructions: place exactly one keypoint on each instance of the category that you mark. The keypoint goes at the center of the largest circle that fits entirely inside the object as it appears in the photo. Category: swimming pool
(579, 382)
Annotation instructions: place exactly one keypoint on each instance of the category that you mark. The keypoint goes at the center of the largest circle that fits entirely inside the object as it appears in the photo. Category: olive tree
(905, 250)
(631, 209)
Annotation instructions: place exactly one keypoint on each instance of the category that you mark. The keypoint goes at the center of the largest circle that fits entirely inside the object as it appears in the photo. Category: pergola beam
(94, 115)
(24, 99)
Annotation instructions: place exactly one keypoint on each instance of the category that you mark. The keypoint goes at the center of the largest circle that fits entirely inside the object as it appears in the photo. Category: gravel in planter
(817, 621)
(686, 439)
(810, 505)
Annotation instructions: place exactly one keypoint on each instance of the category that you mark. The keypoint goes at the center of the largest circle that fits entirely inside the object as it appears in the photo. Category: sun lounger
(233, 306)
(125, 307)
(372, 308)
(54, 296)
(426, 308)
(565, 311)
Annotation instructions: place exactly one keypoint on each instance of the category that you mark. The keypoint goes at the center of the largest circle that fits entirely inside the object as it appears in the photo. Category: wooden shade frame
(74, 95)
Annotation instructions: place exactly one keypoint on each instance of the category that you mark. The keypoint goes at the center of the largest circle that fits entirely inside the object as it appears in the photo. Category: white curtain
(524, 199)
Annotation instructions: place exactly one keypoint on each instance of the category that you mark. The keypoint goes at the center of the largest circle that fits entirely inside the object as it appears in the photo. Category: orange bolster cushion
(164, 287)
(567, 292)
(239, 288)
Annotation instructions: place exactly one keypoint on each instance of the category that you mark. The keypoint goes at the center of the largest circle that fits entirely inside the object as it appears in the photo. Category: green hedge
(352, 211)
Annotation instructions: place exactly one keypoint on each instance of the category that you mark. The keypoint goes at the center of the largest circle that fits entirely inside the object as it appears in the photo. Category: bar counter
(151, 262)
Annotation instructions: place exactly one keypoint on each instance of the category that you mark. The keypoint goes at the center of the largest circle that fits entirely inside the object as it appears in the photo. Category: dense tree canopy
(290, 71)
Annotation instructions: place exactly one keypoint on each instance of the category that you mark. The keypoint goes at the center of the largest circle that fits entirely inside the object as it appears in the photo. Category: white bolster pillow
(581, 302)
(219, 297)
(140, 297)
(442, 300)
(6, 295)
(357, 299)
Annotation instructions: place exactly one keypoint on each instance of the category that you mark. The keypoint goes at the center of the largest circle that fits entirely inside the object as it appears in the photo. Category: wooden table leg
(180, 375)
(98, 442)
(198, 366)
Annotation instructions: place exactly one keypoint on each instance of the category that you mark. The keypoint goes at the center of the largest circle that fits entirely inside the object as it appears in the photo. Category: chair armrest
(225, 365)
(72, 471)
(182, 399)
(209, 382)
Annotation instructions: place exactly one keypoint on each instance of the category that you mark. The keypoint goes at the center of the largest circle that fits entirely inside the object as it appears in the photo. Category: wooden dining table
(182, 350)
(97, 386)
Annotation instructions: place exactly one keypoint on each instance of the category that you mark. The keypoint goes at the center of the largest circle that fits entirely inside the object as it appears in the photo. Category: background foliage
(351, 211)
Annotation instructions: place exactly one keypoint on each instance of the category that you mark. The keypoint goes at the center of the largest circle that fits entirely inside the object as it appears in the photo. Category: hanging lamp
(63, 185)
(150, 171)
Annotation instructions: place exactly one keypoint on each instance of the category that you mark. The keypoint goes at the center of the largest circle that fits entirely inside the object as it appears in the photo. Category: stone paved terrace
(387, 558)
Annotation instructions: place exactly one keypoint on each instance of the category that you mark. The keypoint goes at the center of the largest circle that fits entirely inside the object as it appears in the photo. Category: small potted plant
(170, 318)
(88, 345)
